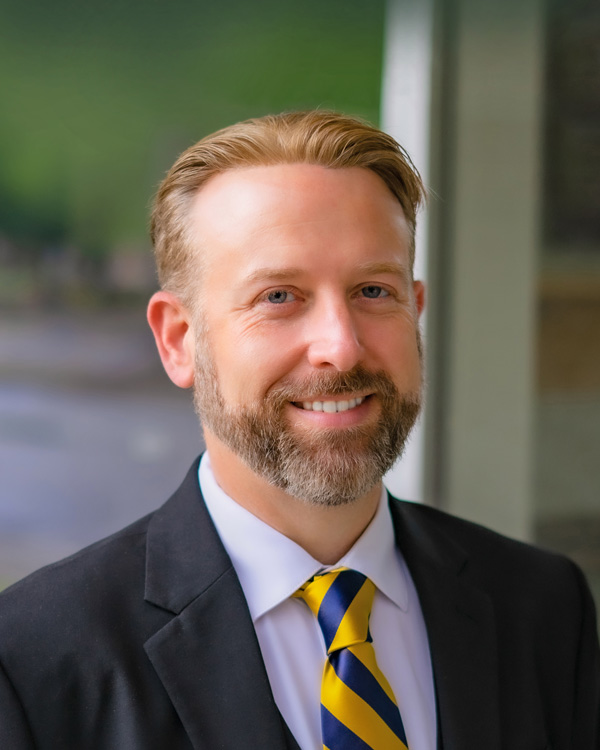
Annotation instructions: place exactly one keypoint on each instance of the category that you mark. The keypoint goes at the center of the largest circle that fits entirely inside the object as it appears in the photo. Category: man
(285, 249)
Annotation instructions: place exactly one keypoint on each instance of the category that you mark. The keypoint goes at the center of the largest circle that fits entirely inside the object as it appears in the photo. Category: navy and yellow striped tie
(358, 708)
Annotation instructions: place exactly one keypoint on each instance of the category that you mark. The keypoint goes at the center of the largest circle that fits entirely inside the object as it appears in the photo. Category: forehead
(291, 213)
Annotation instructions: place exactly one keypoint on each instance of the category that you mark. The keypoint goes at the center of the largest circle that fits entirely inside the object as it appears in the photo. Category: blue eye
(374, 292)
(279, 296)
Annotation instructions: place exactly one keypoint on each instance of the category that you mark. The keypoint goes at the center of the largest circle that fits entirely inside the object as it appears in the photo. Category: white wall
(405, 114)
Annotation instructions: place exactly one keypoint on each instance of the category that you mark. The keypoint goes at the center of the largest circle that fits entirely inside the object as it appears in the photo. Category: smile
(331, 407)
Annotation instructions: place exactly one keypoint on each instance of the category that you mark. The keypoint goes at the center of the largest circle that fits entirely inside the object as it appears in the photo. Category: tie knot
(341, 601)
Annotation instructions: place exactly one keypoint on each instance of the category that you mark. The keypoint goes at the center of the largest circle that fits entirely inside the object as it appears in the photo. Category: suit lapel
(207, 656)
(461, 628)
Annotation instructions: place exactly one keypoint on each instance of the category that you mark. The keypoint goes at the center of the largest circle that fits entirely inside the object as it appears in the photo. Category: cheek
(398, 354)
(249, 364)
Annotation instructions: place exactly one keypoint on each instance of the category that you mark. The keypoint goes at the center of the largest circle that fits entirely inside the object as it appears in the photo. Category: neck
(325, 532)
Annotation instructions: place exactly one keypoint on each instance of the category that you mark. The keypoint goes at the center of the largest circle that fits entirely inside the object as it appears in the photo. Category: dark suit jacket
(144, 641)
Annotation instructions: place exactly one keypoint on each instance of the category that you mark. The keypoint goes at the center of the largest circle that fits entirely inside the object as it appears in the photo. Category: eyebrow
(283, 274)
(398, 269)
(273, 274)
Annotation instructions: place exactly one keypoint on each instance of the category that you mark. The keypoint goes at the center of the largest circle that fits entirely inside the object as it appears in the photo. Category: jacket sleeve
(14, 729)
(586, 718)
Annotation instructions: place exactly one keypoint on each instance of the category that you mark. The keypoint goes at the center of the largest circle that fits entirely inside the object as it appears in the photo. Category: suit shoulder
(488, 556)
(461, 530)
(83, 581)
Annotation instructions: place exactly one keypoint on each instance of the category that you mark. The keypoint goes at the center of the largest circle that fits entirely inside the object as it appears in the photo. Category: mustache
(333, 384)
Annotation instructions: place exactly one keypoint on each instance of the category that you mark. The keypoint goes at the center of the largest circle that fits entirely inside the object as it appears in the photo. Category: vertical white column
(405, 114)
(495, 192)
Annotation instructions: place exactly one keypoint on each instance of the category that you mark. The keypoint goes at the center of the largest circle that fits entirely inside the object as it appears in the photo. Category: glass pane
(567, 502)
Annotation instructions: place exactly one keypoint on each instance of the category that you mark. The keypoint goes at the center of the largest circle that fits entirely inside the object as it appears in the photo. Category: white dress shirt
(271, 567)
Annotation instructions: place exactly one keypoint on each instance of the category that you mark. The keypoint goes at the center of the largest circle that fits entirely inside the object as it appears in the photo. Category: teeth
(331, 406)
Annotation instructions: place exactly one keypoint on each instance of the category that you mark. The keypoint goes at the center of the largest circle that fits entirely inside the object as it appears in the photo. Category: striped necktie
(358, 708)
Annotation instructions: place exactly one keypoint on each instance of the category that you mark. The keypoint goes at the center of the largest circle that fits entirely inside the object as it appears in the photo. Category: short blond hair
(326, 139)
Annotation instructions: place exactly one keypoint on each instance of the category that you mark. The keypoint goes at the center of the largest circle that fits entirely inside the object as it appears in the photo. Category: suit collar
(460, 626)
(184, 555)
(207, 656)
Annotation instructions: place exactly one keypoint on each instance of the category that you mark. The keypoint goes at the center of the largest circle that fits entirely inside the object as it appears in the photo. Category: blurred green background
(99, 98)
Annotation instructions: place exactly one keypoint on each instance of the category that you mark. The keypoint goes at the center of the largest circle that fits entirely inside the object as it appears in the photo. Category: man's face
(308, 362)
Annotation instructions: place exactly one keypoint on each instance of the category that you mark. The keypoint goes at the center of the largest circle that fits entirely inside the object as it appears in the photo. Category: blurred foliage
(99, 98)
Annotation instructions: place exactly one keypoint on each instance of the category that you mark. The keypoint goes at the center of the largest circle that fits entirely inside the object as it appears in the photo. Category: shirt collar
(271, 567)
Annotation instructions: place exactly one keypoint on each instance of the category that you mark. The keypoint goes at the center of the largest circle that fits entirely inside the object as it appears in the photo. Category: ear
(171, 325)
(419, 292)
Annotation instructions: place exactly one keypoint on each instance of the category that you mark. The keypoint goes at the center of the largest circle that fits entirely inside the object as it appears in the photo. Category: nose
(333, 338)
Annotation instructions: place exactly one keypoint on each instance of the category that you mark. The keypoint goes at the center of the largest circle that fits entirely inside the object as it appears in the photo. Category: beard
(325, 467)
